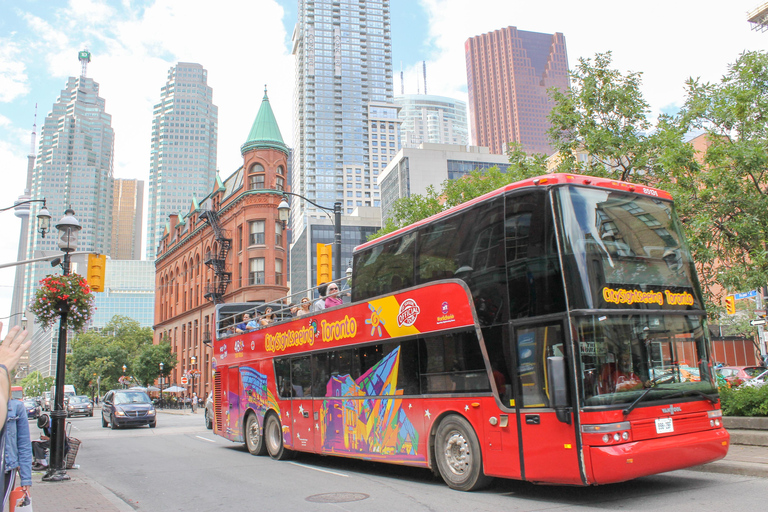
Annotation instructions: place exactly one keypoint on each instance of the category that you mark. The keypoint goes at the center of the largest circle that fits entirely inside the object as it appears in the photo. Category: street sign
(760, 321)
(745, 295)
(184, 381)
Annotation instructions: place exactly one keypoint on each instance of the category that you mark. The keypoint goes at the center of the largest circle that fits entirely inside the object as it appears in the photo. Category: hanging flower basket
(57, 294)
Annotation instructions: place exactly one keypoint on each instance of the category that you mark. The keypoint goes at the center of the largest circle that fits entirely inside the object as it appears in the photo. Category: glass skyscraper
(343, 52)
(73, 168)
(432, 119)
(184, 141)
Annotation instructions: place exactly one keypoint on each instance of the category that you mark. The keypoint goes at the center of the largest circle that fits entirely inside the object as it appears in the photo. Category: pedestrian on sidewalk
(194, 402)
(18, 450)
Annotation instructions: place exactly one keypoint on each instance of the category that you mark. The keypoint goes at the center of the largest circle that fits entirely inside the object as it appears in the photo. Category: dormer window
(256, 177)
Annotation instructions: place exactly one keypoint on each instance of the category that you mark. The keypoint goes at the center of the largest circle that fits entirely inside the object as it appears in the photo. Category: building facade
(343, 53)
(508, 74)
(229, 247)
(432, 119)
(184, 142)
(129, 290)
(413, 170)
(127, 215)
(74, 167)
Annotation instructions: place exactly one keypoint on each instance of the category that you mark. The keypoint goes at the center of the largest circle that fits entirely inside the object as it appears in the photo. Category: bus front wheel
(273, 437)
(458, 457)
(254, 441)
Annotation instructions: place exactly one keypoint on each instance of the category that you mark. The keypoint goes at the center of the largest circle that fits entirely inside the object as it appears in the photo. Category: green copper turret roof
(265, 134)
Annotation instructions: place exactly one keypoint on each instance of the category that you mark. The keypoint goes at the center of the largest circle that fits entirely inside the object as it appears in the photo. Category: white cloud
(13, 76)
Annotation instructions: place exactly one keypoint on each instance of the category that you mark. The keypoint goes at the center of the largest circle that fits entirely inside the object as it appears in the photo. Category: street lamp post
(193, 360)
(161, 383)
(283, 210)
(124, 367)
(43, 216)
(68, 227)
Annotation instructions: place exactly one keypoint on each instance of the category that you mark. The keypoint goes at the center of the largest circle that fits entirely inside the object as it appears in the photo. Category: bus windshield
(623, 250)
(624, 355)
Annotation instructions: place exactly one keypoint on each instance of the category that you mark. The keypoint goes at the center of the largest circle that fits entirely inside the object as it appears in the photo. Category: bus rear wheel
(273, 437)
(254, 441)
(458, 457)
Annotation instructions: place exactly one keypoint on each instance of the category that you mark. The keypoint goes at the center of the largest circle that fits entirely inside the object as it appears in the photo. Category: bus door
(302, 408)
(231, 396)
(549, 449)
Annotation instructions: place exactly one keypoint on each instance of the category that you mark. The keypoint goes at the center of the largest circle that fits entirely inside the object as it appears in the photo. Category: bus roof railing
(281, 307)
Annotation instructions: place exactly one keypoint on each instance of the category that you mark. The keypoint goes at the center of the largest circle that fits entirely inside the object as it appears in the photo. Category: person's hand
(14, 345)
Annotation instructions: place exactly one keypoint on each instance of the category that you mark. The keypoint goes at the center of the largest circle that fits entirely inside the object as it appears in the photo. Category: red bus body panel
(397, 429)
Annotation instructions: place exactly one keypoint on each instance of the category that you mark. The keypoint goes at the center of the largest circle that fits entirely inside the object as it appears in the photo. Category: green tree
(605, 116)
(35, 384)
(146, 364)
(722, 194)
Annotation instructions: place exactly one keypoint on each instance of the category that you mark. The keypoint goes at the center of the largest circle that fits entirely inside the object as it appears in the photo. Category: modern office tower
(128, 203)
(360, 187)
(129, 291)
(73, 169)
(413, 170)
(343, 53)
(432, 119)
(184, 138)
(508, 74)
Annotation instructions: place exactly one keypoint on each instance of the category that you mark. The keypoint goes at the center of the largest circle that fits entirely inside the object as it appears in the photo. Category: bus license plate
(664, 426)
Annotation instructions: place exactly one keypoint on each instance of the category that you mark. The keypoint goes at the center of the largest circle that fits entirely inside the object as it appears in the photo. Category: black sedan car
(79, 405)
(127, 407)
(33, 410)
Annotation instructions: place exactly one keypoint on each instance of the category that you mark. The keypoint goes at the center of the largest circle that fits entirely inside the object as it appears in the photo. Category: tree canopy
(97, 358)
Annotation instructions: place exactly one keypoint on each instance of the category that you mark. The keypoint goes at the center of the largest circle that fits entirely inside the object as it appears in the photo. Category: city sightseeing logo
(445, 317)
(375, 321)
(408, 313)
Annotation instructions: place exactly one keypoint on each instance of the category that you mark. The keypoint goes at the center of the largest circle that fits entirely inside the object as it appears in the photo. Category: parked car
(736, 375)
(79, 404)
(33, 410)
(758, 380)
(209, 411)
(127, 407)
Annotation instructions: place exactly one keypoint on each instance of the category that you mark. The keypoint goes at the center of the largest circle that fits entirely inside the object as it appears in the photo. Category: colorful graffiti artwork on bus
(256, 395)
(364, 426)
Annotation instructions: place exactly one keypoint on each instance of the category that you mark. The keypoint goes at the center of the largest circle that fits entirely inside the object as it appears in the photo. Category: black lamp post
(124, 367)
(43, 216)
(68, 227)
(161, 383)
(283, 210)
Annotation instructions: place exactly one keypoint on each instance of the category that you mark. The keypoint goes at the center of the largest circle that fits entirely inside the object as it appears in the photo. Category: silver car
(79, 405)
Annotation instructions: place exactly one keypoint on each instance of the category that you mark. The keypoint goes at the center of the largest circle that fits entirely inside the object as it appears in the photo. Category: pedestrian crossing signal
(730, 304)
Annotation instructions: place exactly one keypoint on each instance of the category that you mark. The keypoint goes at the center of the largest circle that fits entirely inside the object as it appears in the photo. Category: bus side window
(301, 377)
(534, 345)
(283, 378)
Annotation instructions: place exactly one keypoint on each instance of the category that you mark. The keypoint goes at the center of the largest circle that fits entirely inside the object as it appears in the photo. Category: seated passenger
(243, 326)
(305, 305)
(620, 376)
(332, 298)
(254, 322)
(267, 318)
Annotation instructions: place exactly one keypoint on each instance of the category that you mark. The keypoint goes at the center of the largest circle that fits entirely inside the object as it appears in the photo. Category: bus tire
(254, 440)
(458, 456)
(273, 438)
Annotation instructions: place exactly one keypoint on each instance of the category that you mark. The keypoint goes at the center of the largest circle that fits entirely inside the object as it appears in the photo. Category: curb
(734, 468)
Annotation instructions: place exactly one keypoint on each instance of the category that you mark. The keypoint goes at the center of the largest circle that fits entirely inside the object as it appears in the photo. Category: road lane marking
(318, 469)
(205, 439)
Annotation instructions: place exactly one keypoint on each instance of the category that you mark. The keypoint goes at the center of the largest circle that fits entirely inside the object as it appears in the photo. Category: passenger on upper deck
(305, 304)
(267, 318)
(319, 304)
(243, 326)
(332, 299)
(254, 323)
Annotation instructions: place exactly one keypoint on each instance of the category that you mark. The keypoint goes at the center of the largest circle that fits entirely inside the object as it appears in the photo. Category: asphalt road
(182, 466)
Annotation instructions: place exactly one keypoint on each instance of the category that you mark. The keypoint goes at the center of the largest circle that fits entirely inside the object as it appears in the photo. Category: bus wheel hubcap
(457, 453)
(253, 433)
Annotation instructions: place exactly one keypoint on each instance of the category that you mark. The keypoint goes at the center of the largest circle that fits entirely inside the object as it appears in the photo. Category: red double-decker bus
(551, 331)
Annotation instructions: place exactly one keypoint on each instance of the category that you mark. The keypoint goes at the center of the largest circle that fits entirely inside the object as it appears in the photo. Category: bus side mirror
(558, 388)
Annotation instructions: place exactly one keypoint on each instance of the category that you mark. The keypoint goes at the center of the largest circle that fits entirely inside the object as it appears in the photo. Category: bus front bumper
(626, 461)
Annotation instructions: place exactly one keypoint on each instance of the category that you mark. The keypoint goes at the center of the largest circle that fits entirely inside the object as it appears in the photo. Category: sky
(246, 45)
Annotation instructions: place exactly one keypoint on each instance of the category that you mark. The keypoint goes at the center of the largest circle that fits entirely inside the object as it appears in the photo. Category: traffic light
(97, 264)
(324, 259)
(730, 304)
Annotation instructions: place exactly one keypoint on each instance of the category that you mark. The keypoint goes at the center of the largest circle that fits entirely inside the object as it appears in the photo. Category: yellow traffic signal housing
(97, 266)
(324, 259)
(730, 304)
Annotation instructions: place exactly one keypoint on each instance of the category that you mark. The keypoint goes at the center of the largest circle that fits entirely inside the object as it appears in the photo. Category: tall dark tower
(508, 74)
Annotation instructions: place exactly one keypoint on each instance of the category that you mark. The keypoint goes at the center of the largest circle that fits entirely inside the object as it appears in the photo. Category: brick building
(229, 247)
